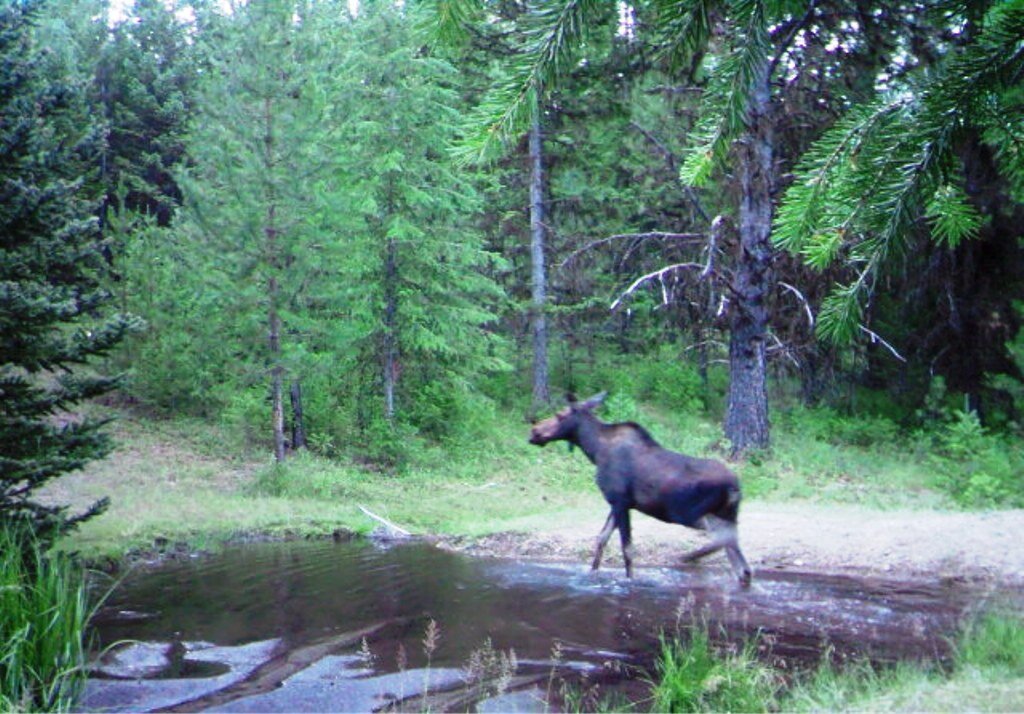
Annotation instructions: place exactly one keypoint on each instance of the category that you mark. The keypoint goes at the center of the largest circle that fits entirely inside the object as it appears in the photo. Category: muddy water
(328, 626)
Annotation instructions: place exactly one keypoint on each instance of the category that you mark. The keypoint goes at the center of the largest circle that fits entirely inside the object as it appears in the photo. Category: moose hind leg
(739, 564)
(602, 539)
(723, 535)
(622, 523)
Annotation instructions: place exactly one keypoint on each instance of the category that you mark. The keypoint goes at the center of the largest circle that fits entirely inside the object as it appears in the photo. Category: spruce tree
(419, 292)
(50, 267)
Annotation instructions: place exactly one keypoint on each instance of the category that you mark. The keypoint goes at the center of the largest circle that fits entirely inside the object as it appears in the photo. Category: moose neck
(588, 436)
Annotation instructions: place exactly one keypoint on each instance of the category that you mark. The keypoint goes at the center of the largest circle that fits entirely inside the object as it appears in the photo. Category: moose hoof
(745, 578)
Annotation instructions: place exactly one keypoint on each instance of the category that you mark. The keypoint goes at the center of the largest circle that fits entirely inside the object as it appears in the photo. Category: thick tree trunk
(538, 320)
(746, 419)
(390, 337)
(298, 420)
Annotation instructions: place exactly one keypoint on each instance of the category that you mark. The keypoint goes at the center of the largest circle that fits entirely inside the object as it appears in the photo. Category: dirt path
(801, 536)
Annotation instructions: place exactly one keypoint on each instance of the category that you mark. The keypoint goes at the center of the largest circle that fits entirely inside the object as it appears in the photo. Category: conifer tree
(895, 163)
(264, 135)
(419, 295)
(50, 267)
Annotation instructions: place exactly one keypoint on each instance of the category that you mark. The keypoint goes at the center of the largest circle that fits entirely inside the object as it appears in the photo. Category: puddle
(317, 626)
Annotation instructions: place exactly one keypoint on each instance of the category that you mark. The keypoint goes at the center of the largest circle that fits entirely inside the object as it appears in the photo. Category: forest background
(353, 249)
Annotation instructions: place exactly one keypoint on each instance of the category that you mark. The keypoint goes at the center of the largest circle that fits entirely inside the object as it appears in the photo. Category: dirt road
(986, 546)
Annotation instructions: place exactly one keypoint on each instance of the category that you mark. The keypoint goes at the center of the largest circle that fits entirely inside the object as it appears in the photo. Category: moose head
(564, 424)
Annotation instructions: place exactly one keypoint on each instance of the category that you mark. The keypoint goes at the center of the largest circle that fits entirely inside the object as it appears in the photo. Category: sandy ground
(800, 536)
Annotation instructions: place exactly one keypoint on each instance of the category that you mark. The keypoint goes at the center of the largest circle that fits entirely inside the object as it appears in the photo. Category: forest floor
(800, 536)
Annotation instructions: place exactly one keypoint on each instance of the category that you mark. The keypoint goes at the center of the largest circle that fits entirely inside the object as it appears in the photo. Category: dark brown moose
(633, 471)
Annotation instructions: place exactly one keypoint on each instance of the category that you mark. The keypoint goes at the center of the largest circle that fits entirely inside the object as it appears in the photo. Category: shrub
(975, 467)
(827, 425)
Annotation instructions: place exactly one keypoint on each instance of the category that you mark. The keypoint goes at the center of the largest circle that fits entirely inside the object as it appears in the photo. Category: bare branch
(875, 337)
(650, 235)
(800, 296)
(656, 274)
(386, 523)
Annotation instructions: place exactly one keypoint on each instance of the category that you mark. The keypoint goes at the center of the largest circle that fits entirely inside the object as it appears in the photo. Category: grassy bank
(987, 674)
(198, 482)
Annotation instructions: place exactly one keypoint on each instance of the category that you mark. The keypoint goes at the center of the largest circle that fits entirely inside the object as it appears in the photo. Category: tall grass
(43, 614)
(694, 677)
(987, 674)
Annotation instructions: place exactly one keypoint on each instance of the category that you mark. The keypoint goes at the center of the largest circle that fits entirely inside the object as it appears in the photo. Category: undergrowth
(43, 614)
(986, 674)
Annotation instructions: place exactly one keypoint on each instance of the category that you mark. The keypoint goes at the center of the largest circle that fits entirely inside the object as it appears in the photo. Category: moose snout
(536, 438)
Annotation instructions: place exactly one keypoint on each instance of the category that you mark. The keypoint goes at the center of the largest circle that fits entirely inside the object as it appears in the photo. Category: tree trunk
(538, 320)
(746, 419)
(298, 421)
(273, 290)
(390, 338)
(276, 371)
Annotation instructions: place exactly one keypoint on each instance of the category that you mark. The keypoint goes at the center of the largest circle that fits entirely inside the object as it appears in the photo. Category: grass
(987, 674)
(692, 676)
(43, 613)
(193, 481)
(173, 480)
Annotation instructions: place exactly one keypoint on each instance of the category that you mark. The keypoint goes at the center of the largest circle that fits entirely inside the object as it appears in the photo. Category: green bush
(827, 425)
(975, 467)
(43, 614)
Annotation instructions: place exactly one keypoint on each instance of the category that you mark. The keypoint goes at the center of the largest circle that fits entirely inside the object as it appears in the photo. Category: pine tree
(50, 268)
(419, 295)
(264, 137)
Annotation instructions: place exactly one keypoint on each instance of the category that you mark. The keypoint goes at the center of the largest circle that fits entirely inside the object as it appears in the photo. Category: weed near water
(695, 676)
(986, 674)
(43, 614)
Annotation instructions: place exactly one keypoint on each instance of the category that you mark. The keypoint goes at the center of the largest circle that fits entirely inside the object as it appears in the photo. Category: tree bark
(390, 337)
(746, 419)
(273, 290)
(276, 371)
(538, 320)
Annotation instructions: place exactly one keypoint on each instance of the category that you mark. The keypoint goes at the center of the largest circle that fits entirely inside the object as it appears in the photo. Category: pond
(358, 626)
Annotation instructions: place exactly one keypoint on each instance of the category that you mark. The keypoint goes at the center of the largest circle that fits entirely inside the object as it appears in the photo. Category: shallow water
(309, 626)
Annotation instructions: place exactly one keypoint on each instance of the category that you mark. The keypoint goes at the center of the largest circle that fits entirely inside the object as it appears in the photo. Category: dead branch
(387, 524)
(875, 337)
(649, 276)
(800, 296)
(650, 235)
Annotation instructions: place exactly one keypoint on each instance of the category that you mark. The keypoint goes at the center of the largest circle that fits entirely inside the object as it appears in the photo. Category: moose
(634, 471)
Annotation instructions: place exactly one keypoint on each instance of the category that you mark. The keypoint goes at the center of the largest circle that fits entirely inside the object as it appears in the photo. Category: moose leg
(622, 523)
(739, 564)
(723, 535)
(602, 539)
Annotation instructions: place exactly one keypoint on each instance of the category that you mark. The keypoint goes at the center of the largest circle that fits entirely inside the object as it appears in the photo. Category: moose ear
(594, 401)
(570, 399)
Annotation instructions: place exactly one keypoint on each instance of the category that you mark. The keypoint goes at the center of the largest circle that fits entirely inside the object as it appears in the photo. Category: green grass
(194, 481)
(987, 674)
(169, 480)
(43, 613)
(692, 676)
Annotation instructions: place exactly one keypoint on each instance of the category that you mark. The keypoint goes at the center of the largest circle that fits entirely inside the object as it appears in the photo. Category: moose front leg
(602, 539)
